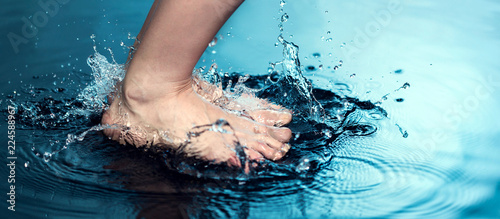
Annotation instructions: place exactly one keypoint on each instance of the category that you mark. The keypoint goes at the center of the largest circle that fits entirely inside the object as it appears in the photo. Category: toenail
(277, 156)
(285, 148)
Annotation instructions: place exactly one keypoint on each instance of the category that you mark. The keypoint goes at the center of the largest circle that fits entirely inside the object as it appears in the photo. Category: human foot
(244, 103)
(178, 121)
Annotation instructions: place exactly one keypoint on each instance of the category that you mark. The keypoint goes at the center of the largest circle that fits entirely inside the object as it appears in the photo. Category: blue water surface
(427, 149)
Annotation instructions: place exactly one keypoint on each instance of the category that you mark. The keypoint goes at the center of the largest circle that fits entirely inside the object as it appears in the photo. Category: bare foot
(177, 119)
(245, 104)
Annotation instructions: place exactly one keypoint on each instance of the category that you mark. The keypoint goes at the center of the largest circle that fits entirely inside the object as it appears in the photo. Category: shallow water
(426, 151)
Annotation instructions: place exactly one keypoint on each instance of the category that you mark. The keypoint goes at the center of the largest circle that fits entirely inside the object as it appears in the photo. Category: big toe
(271, 117)
(280, 134)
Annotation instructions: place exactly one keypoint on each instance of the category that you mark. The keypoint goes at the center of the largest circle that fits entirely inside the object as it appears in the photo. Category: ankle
(133, 92)
(140, 92)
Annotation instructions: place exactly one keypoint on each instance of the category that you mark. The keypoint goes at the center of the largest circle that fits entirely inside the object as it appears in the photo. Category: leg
(173, 41)
(157, 100)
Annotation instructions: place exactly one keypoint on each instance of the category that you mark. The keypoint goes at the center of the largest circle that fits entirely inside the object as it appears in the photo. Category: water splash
(403, 132)
(106, 76)
(342, 114)
(319, 113)
(72, 138)
(385, 97)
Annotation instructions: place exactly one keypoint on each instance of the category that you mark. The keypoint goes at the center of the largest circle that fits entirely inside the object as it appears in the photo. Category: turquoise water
(425, 151)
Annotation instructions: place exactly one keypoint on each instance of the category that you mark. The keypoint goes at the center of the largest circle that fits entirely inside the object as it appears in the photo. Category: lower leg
(175, 37)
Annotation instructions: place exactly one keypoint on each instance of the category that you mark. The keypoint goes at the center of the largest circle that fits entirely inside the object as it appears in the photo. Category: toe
(234, 162)
(264, 149)
(270, 141)
(271, 117)
(281, 134)
(268, 147)
(253, 155)
(279, 108)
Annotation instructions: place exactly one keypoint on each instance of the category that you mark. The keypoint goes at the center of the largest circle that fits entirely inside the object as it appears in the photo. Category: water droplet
(402, 131)
(399, 100)
(327, 133)
(399, 71)
(27, 164)
(282, 3)
(405, 134)
(297, 135)
(335, 68)
(316, 55)
(329, 40)
(47, 156)
(353, 75)
(213, 42)
(326, 12)
(303, 166)
(328, 32)
(280, 38)
(310, 68)
(406, 85)
(284, 17)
